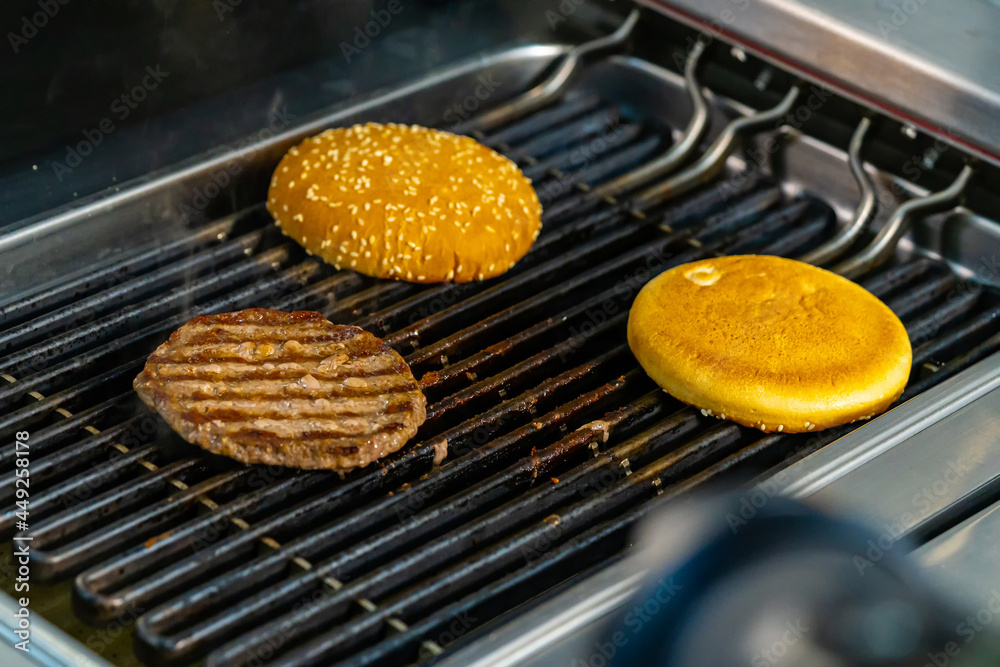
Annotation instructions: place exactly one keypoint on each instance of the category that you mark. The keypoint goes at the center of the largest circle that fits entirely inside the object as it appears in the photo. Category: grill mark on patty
(203, 411)
(175, 372)
(248, 428)
(292, 331)
(231, 354)
(259, 438)
(285, 391)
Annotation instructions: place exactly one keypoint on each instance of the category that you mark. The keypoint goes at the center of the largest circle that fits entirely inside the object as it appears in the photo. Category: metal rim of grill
(558, 443)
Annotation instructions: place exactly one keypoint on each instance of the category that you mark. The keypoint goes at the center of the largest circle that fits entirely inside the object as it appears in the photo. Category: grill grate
(557, 441)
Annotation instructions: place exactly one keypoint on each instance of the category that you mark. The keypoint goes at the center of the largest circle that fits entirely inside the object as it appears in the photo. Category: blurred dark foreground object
(784, 585)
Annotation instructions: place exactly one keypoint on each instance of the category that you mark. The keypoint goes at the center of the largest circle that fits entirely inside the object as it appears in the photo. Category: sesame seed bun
(405, 202)
(770, 343)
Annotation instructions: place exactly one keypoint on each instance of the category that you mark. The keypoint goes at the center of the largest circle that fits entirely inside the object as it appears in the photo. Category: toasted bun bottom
(771, 343)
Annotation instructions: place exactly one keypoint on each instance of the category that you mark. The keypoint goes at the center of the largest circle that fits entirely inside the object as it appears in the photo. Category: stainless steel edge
(962, 561)
(933, 66)
(928, 480)
(530, 633)
(49, 646)
(824, 467)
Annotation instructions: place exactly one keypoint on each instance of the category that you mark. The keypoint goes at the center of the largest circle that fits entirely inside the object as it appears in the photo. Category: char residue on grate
(558, 443)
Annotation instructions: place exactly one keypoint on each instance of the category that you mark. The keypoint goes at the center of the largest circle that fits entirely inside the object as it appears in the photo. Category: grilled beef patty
(292, 389)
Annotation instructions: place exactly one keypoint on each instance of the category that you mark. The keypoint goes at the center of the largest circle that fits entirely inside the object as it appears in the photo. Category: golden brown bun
(405, 202)
(769, 342)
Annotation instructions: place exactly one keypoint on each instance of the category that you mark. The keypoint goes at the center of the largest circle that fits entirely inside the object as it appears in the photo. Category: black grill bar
(170, 275)
(45, 441)
(811, 229)
(84, 521)
(955, 307)
(466, 575)
(44, 407)
(555, 436)
(79, 489)
(547, 273)
(575, 132)
(555, 116)
(258, 294)
(82, 452)
(583, 168)
(960, 363)
(52, 297)
(76, 340)
(950, 340)
(929, 291)
(888, 280)
(516, 376)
